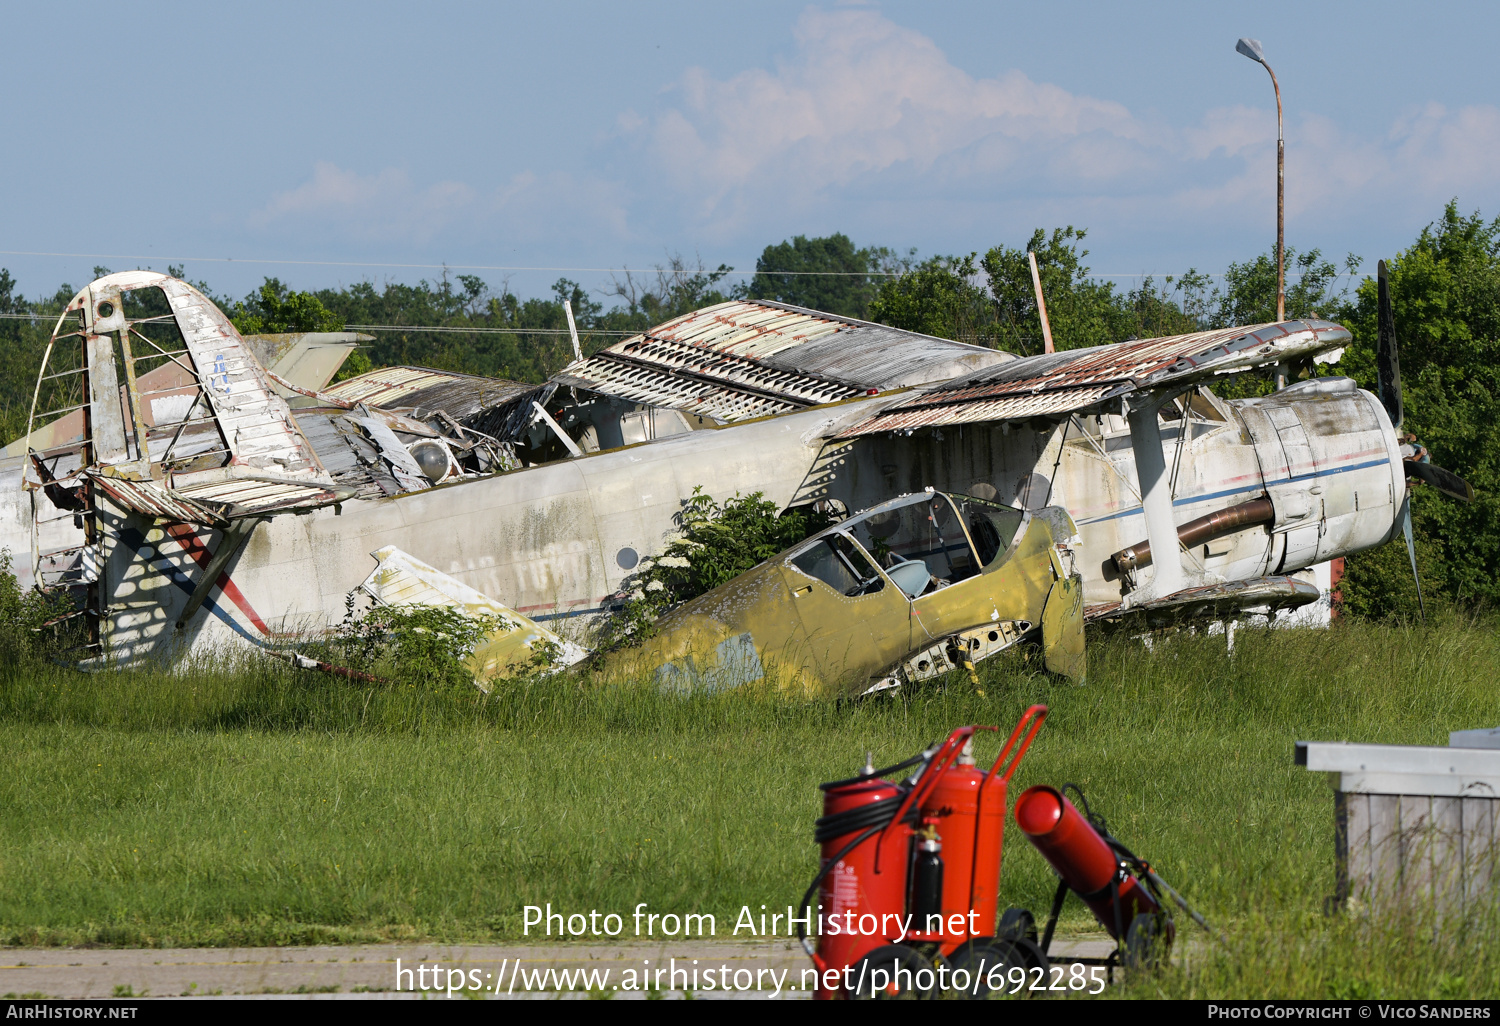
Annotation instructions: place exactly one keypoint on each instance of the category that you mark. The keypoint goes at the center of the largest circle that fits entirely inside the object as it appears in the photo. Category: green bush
(718, 543)
(416, 645)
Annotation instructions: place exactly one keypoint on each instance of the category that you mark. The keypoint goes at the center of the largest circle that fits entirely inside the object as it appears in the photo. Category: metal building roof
(751, 358)
(1058, 383)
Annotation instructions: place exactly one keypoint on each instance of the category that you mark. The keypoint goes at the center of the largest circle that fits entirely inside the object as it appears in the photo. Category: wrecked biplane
(249, 508)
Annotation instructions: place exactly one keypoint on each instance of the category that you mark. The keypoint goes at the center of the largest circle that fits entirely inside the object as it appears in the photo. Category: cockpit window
(838, 563)
(927, 530)
(992, 526)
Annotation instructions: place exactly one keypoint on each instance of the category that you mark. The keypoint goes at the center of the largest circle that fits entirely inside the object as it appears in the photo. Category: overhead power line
(569, 270)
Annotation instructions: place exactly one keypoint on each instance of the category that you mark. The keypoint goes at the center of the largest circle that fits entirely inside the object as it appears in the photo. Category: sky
(328, 143)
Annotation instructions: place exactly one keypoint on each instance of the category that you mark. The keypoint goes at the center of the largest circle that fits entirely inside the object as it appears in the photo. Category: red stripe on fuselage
(186, 535)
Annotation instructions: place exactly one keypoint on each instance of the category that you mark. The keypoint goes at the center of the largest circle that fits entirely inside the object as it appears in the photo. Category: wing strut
(236, 534)
(1156, 499)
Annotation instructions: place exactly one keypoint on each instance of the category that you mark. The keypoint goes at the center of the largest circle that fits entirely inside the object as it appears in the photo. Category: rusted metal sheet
(1015, 407)
(746, 359)
(1070, 381)
(152, 500)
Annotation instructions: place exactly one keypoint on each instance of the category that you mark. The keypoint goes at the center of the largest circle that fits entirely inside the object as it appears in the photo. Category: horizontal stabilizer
(402, 580)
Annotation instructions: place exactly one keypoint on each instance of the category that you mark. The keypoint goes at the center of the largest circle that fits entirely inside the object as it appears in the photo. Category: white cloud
(865, 125)
(864, 96)
(864, 109)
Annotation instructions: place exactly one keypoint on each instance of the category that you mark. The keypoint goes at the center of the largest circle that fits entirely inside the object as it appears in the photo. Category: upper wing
(753, 358)
(1067, 382)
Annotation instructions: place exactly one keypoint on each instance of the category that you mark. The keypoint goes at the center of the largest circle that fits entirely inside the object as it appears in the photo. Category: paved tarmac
(751, 970)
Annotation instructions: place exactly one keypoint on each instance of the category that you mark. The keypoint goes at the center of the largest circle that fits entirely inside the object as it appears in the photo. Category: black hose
(826, 828)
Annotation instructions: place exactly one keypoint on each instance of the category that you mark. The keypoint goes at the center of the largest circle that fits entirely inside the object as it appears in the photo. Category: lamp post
(1251, 48)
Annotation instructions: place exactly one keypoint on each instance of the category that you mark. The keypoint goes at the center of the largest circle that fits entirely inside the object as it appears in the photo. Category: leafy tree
(275, 308)
(669, 292)
(938, 297)
(1249, 295)
(825, 273)
(1445, 294)
(1081, 310)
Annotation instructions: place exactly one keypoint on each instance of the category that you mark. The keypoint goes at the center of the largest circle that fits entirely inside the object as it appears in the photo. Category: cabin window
(839, 563)
(928, 531)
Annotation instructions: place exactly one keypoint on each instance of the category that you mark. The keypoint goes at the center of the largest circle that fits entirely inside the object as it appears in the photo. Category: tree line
(1445, 288)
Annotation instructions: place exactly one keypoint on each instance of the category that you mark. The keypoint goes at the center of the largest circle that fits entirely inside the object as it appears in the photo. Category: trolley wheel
(1146, 943)
(1031, 952)
(982, 960)
(1016, 922)
(891, 972)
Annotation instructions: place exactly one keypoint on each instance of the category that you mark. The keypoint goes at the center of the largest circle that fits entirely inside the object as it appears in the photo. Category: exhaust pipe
(1196, 532)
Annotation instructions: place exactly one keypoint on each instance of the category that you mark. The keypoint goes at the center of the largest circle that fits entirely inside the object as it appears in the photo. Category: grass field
(260, 805)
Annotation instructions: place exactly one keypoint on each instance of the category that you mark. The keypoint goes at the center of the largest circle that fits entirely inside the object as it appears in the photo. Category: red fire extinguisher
(1127, 896)
(894, 854)
(1085, 861)
(966, 809)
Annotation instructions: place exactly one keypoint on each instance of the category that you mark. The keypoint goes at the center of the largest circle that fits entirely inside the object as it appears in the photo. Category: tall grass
(250, 803)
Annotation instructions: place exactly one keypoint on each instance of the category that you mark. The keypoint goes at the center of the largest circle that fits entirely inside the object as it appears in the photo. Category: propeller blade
(1411, 550)
(1445, 481)
(1387, 359)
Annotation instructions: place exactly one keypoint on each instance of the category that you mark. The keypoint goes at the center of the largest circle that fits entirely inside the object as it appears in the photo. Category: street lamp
(1251, 48)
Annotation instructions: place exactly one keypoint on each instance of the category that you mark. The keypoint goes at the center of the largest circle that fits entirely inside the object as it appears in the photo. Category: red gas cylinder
(971, 832)
(1081, 857)
(863, 896)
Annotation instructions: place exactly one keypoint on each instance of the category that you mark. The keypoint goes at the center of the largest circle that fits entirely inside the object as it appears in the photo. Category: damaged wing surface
(754, 358)
(1075, 380)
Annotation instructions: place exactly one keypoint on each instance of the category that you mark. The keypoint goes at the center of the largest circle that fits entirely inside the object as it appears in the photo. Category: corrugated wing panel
(748, 359)
(1057, 383)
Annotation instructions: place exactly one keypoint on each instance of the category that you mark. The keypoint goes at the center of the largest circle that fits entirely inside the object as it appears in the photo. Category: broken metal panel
(350, 457)
(152, 500)
(1079, 379)
(394, 453)
(461, 396)
(106, 420)
(256, 423)
(1227, 600)
(1017, 407)
(746, 359)
(308, 359)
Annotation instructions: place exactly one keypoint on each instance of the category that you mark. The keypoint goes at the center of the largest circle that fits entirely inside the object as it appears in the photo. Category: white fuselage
(556, 541)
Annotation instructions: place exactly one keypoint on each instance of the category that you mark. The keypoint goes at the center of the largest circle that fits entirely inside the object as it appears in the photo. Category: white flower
(674, 561)
(637, 595)
(656, 586)
(643, 566)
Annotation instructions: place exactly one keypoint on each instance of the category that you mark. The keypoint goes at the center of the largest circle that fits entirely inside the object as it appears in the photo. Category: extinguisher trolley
(910, 870)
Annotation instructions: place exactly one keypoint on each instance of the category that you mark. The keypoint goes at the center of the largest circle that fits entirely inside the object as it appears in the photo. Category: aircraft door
(855, 621)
